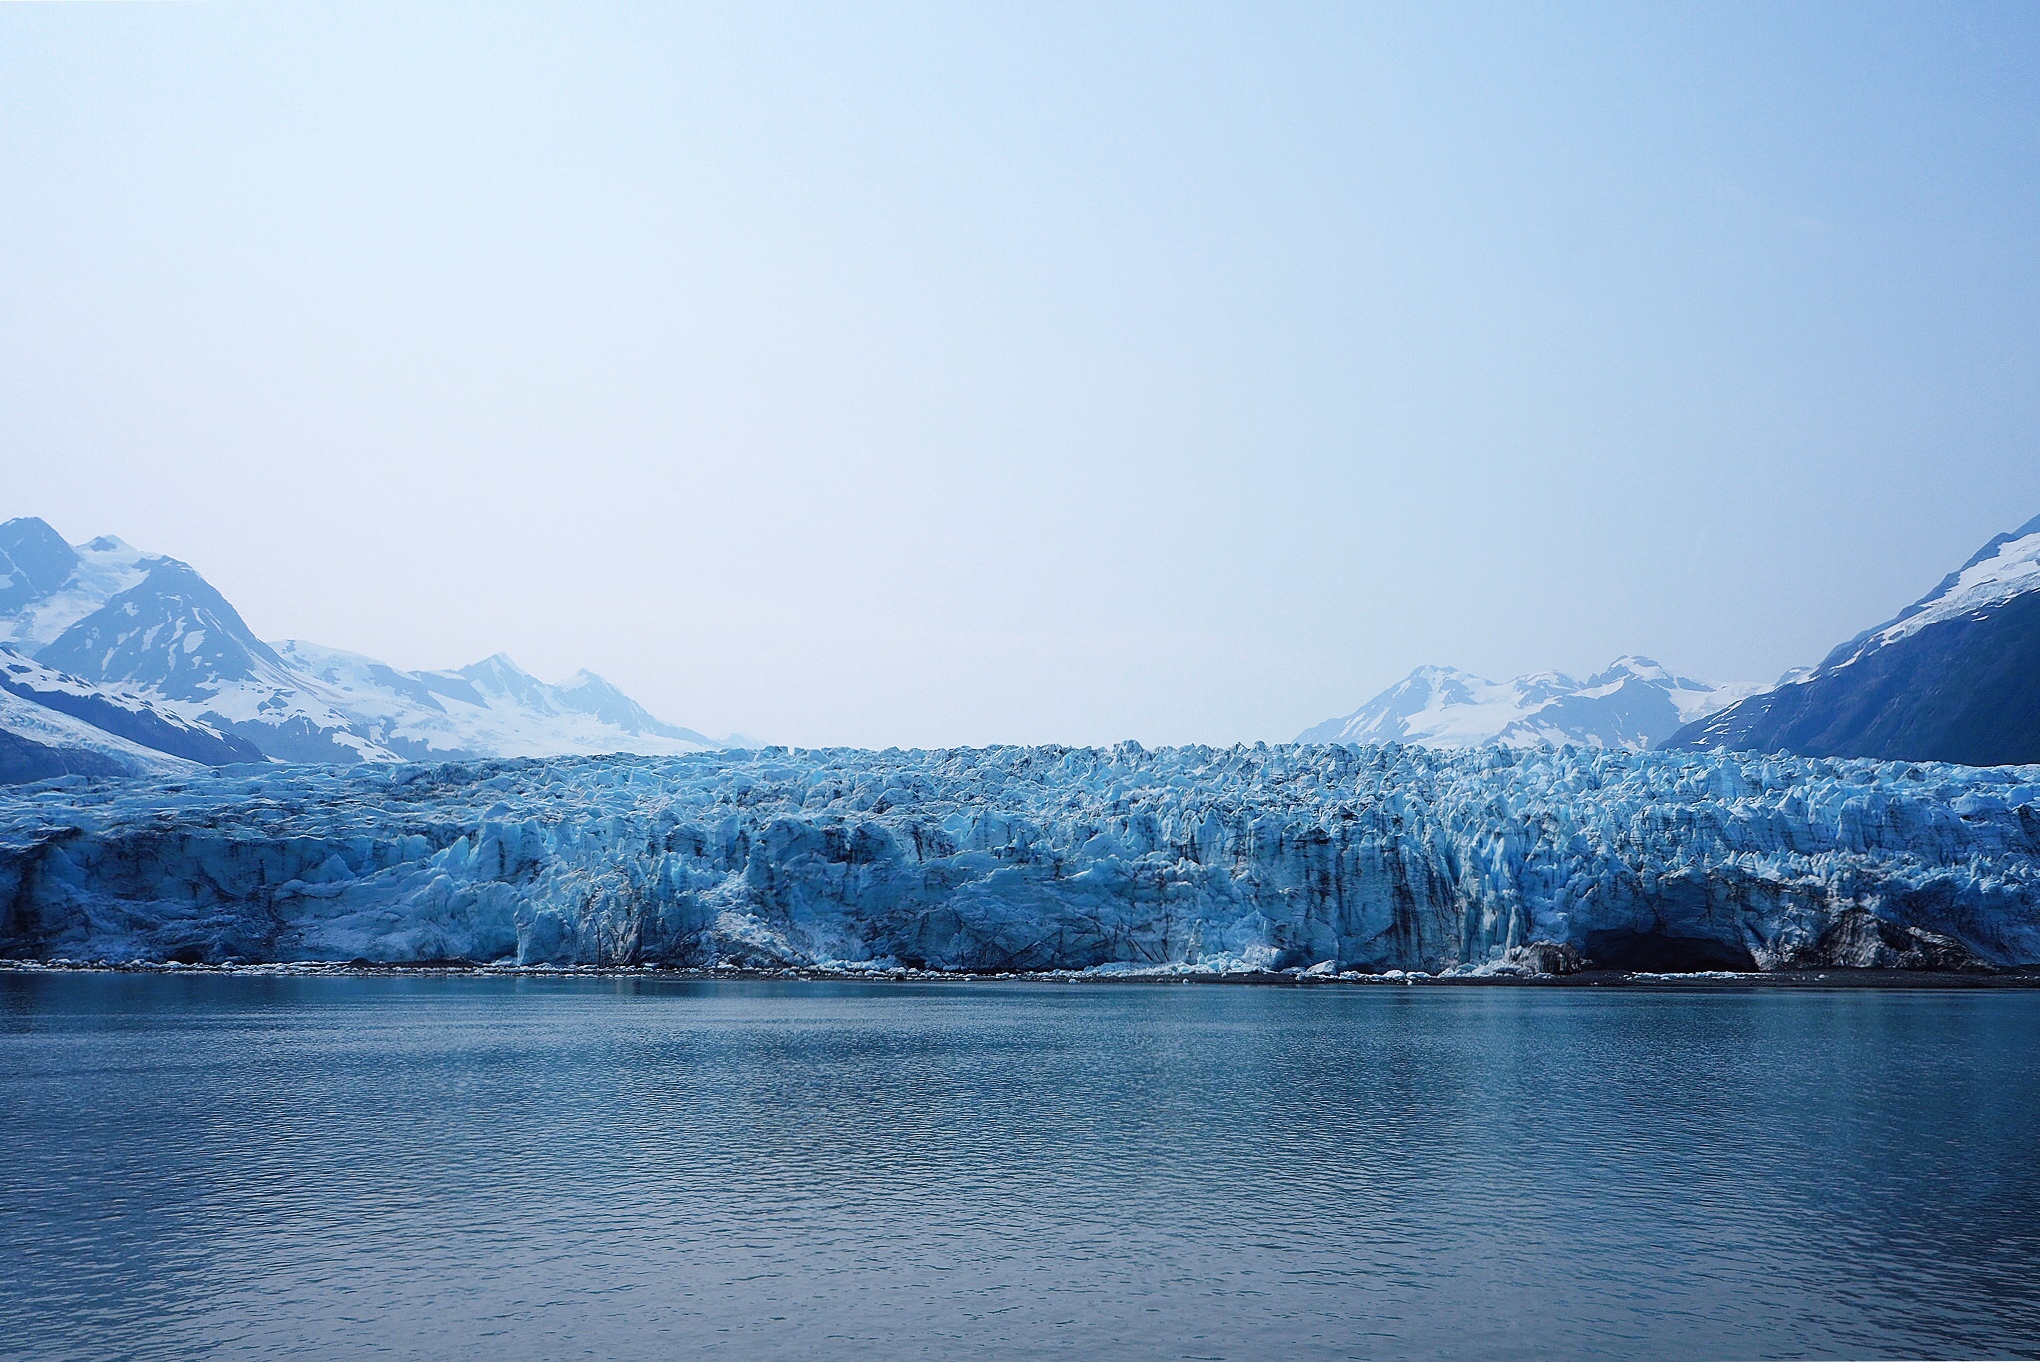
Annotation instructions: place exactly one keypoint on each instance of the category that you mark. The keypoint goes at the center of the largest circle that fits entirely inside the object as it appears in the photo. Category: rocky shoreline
(1827, 979)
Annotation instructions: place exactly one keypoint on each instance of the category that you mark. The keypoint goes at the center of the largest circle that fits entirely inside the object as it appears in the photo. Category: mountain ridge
(142, 646)
(1632, 703)
(1955, 676)
(124, 716)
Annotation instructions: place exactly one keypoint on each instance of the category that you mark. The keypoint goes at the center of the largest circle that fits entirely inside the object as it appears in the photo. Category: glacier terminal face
(1037, 858)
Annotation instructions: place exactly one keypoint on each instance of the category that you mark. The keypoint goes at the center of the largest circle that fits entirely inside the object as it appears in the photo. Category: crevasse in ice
(1029, 858)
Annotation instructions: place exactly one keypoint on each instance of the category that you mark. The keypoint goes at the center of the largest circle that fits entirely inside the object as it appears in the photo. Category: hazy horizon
(920, 377)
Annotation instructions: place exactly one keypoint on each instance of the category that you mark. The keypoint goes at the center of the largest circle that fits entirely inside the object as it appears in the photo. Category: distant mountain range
(1634, 703)
(1953, 677)
(116, 661)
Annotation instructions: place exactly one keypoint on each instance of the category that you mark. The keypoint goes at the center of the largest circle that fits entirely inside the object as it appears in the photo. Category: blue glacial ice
(1326, 858)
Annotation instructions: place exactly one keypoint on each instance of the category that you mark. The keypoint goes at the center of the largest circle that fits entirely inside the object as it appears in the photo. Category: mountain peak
(1637, 665)
(35, 562)
(171, 633)
(150, 647)
(587, 693)
(1949, 678)
(499, 664)
(2007, 566)
(1633, 703)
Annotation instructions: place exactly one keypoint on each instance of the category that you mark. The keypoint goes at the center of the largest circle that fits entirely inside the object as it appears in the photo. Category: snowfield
(52, 728)
(2005, 568)
(1634, 703)
(1041, 858)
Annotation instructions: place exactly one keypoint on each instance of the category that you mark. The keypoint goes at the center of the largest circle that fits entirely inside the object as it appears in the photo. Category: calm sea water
(502, 1169)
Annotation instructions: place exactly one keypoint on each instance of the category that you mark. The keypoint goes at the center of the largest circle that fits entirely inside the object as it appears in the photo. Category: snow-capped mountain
(1953, 677)
(53, 723)
(1634, 703)
(37, 743)
(133, 632)
(46, 585)
(493, 707)
(119, 714)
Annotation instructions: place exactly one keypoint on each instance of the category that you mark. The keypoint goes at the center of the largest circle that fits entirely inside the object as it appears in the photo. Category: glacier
(1329, 858)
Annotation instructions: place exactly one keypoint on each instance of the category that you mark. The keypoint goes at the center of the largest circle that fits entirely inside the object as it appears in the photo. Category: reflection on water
(341, 1167)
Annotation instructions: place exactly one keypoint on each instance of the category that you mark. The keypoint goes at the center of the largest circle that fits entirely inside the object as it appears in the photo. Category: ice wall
(1039, 857)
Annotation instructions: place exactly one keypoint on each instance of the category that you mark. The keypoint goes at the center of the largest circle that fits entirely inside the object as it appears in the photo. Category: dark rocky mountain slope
(1954, 677)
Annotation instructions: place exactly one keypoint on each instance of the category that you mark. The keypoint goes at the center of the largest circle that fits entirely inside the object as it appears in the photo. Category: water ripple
(343, 1168)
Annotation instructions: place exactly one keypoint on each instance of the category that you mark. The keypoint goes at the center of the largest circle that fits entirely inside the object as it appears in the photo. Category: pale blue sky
(965, 374)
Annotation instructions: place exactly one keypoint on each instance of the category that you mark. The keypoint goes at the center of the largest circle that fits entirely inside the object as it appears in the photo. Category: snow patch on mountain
(151, 629)
(492, 708)
(63, 734)
(120, 714)
(46, 585)
(1633, 704)
(2006, 567)
(1955, 676)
